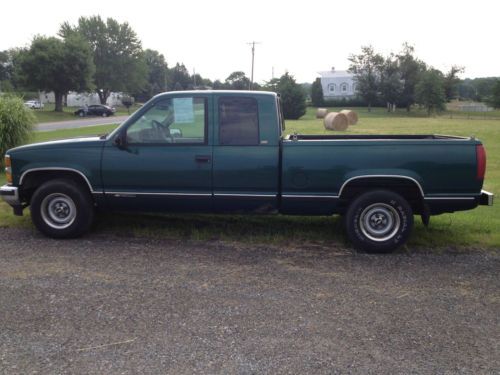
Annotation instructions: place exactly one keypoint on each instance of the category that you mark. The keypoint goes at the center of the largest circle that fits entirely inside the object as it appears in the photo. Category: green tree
(477, 89)
(367, 67)
(391, 84)
(9, 77)
(466, 90)
(179, 78)
(317, 93)
(410, 69)
(451, 82)
(157, 75)
(292, 96)
(237, 81)
(16, 123)
(4, 66)
(5, 72)
(429, 91)
(52, 64)
(494, 99)
(272, 85)
(218, 85)
(117, 53)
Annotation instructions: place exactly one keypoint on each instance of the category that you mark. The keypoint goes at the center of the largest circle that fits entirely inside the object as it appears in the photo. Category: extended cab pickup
(223, 151)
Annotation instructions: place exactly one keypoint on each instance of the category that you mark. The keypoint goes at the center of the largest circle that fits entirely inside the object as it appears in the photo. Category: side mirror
(176, 133)
(121, 141)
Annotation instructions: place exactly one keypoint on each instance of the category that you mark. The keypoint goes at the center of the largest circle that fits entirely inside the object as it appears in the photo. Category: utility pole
(253, 58)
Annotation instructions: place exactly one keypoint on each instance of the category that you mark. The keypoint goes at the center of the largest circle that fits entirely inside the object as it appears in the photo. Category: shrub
(292, 97)
(16, 123)
(350, 102)
(128, 101)
(317, 93)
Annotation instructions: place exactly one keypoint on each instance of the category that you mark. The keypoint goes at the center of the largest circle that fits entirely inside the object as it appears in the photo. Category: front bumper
(10, 194)
(486, 198)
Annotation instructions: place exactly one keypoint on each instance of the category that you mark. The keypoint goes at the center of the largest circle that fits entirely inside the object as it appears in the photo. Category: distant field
(478, 228)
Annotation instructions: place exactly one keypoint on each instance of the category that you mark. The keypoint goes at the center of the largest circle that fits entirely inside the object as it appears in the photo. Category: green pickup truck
(225, 152)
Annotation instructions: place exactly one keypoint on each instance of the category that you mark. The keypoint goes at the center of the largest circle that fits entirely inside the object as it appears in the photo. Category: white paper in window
(183, 110)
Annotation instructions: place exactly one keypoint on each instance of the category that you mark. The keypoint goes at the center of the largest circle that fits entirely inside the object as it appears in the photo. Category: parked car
(96, 110)
(34, 104)
(226, 151)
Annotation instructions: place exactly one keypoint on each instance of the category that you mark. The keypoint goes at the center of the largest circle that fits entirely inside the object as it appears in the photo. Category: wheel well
(407, 188)
(34, 179)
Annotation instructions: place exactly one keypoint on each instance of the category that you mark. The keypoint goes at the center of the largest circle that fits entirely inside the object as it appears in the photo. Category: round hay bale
(351, 116)
(321, 112)
(336, 121)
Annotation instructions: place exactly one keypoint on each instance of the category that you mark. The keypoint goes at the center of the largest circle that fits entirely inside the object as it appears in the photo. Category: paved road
(80, 123)
(111, 305)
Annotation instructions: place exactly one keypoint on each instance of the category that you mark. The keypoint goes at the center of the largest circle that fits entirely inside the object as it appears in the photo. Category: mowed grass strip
(478, 228)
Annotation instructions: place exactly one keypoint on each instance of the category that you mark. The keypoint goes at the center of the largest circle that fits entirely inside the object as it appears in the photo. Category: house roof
(335, 73)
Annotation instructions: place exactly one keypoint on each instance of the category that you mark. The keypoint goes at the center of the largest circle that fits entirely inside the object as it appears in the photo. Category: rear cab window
(238, 121)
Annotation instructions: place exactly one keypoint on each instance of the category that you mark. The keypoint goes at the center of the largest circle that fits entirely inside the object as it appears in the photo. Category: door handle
(202, 158)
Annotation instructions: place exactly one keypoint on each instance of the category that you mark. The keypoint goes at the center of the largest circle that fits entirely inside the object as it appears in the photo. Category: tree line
(107, 56)
(403, 80)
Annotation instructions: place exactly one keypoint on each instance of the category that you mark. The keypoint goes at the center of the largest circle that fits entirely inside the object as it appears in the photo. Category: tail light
(481, 162)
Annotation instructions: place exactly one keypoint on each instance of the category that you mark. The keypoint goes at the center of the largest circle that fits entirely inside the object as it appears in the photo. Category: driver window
(174, 120)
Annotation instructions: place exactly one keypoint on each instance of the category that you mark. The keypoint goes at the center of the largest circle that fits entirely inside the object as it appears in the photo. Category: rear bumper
(486, 198)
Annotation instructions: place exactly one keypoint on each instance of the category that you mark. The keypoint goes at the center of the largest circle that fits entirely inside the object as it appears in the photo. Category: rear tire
(379, 221)
(62, 209)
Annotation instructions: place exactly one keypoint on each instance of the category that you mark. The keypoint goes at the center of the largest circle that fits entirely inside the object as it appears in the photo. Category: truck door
(164, 162)
(245, 153)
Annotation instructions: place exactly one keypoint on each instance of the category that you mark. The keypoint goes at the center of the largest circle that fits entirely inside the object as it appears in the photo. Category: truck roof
(219, 92)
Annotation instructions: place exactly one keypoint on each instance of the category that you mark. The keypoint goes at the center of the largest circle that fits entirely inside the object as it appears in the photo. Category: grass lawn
(478, 228)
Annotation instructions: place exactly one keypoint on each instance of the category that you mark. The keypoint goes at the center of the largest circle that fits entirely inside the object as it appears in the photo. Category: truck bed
(311, 137)
(321, 166)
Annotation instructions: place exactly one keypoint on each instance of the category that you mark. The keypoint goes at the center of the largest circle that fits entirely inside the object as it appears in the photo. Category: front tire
(62, 209)
(379, 221)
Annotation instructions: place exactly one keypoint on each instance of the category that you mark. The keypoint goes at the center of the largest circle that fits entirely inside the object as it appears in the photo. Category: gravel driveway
(128, 305)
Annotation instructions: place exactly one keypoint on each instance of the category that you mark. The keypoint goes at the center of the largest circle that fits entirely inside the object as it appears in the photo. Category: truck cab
(197, 152)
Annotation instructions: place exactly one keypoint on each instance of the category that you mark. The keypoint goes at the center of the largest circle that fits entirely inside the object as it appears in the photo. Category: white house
(337, 84)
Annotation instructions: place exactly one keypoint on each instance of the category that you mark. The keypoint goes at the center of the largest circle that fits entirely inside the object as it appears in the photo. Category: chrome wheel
(58, 210)
(379, 222)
